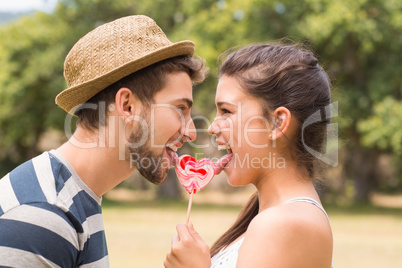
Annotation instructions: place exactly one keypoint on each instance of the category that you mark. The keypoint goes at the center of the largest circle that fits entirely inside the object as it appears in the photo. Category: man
(131, 89)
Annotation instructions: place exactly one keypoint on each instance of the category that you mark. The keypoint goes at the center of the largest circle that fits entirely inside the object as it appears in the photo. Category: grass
(366, 236)
(139, 231)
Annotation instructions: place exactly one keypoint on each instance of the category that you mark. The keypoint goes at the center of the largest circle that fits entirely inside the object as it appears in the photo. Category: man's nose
(190, 132)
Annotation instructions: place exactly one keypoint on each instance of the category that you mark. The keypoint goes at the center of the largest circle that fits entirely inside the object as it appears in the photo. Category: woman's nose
(213, 128)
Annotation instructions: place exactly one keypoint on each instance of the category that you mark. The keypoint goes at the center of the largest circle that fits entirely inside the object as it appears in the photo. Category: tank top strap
(307, 200)
(311, 201)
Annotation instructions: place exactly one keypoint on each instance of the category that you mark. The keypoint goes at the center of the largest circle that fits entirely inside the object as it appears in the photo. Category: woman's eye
(224, 111)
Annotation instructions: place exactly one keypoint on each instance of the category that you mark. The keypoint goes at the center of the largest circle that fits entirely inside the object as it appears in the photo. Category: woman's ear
(124, 101)
(281, 121)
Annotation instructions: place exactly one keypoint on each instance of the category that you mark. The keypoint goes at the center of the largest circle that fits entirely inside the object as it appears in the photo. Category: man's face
(169, 126)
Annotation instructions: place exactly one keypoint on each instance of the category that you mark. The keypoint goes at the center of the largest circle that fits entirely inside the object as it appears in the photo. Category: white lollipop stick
(190, 202)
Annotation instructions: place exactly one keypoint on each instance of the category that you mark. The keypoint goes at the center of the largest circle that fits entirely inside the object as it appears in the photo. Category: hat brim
(73, 97)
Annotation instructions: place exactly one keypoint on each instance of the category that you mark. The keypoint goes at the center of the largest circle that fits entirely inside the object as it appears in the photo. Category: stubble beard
(153, 170)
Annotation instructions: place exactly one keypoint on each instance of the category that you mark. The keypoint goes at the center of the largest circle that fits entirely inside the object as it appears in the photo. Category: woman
(265, 96)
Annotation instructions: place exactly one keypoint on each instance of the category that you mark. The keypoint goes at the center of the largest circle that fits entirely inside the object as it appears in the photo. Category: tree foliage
(30, 77)
(358, 42)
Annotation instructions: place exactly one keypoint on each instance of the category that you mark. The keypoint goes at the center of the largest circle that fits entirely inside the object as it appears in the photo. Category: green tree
(32, 52)
(30, 77)
(358, 42)
(361, 42)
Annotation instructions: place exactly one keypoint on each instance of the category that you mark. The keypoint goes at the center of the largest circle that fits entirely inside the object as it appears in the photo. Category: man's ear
(281, 121)
(124, 101)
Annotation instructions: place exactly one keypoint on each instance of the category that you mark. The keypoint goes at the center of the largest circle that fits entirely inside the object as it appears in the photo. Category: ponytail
(249, 211)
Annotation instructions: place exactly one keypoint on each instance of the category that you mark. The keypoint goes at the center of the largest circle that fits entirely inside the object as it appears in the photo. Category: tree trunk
(363, 169)
(170, 189)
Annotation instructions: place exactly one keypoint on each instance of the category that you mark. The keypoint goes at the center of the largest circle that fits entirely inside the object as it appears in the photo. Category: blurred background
(359, 43)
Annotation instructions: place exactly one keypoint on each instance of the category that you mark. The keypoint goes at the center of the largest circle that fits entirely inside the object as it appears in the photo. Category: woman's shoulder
(291, 215)
(300, 228)
(297, 220)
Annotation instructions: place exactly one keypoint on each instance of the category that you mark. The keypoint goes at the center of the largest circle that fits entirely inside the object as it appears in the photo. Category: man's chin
(156, 178)
(161, 173)
(159, 180)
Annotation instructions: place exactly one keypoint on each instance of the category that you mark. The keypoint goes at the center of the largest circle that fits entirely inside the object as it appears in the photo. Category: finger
(198, 239)
(190, 226)
(175, 239)
(183, 232)
(193, 232)
(169, 261)
(166, 262)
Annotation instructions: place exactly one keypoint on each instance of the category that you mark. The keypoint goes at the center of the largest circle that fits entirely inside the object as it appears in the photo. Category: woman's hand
(188, 249)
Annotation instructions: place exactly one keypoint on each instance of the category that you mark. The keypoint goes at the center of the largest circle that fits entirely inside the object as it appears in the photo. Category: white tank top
(227, 257)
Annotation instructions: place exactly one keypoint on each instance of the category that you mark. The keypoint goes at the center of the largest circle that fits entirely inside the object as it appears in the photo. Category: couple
(125, 80)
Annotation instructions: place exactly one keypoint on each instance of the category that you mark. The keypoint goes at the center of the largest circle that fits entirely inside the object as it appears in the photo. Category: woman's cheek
(255, 134)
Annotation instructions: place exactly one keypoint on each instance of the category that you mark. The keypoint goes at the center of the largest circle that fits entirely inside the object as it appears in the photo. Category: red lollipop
(195, 175)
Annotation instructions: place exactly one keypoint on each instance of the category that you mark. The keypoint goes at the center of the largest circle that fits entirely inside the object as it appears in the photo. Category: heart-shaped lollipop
(195, 175)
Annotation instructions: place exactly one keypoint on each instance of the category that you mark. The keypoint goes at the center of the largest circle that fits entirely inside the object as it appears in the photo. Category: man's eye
(182, 108)
(224, 111)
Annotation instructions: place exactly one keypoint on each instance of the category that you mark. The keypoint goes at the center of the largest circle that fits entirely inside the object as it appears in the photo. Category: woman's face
(241, 128)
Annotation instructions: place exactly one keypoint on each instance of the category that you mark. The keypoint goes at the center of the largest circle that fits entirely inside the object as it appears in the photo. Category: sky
(16, 6)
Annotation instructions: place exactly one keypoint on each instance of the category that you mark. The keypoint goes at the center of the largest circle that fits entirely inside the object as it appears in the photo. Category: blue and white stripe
(49, 217)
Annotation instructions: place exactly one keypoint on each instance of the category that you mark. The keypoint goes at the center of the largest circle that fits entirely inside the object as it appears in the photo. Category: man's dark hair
(144, 83)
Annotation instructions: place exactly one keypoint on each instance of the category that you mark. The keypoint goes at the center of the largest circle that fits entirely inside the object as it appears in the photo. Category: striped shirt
(49, 217)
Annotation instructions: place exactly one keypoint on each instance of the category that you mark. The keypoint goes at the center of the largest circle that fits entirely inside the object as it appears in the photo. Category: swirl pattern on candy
(195, 175)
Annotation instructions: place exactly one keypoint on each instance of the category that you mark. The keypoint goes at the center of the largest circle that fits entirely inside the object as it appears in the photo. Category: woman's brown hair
(280, 75)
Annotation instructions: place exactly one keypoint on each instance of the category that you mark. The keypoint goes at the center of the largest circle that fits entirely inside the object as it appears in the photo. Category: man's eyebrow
(187, 101)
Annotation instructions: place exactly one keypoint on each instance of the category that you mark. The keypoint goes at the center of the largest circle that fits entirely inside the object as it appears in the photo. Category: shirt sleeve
(37, 235)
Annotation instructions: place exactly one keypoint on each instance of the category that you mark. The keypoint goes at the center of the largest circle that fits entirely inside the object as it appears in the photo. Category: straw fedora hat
(112, 51)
